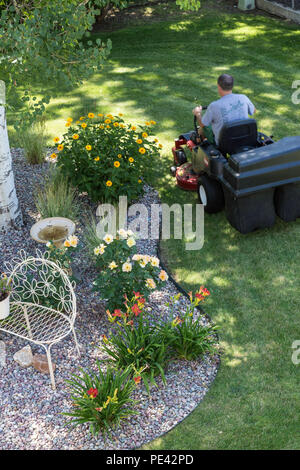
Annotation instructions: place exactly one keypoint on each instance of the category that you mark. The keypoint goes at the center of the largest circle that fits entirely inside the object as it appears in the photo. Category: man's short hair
(225, 81)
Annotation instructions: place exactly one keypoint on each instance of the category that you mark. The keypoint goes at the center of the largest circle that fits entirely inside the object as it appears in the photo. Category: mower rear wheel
(210, 194)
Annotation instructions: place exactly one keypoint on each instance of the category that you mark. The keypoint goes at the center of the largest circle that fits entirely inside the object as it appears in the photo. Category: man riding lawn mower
(236, 167)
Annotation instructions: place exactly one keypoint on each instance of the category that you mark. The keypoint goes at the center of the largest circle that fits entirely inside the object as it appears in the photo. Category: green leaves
(101, 399)
(102, 156)
(192, 5)
(45, 41)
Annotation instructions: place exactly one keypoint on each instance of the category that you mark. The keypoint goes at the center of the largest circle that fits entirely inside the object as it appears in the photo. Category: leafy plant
(34, 143)
(59, 51)
(136, 343)
(105, 157)
(5, 287)
(63, 255)
(122, 270)
(186, 335)
(57, 198)
(101, 399)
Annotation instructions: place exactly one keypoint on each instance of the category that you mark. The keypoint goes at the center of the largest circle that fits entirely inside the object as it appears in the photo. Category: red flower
(199, 296)
(137, 295)
(137, 379)
(136, 310)
(117, 313)
(204, 291)
(92, 392)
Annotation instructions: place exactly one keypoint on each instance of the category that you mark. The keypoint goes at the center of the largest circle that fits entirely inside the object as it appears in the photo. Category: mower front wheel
(210, 194)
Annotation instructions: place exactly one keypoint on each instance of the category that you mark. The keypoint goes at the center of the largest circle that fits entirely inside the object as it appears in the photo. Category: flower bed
(31, 423)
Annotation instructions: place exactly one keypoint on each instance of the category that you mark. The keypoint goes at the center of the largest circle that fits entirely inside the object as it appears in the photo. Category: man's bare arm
(198, 113)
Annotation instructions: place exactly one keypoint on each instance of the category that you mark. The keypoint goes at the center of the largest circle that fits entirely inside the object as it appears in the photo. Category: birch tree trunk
(10, 214)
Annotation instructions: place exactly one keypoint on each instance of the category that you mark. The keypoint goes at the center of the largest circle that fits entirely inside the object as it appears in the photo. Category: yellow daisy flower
(126, 267)
(91, 115)
(119, 155)
(117, 164)
(101, 126)
(56, 139)
(160, 146)
(69, 120)
(88, 147)
(108, 183)
(120, 114)
(153, 122)
(67, 124)
(107, 121)
(139, 141)
(147, 123)
(100, 114)
(108, 126)
(60, 147)
(139, 181)
(82, 118)
(97, 159)
(83, 125)
(53, 156)
(75, 136)
(142, 150)
(131, 159)
(145, 135)
(116, 124)
(163, 275)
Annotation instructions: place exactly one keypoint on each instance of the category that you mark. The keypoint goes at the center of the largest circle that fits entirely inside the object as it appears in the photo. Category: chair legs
(76, 342)
(48, 353)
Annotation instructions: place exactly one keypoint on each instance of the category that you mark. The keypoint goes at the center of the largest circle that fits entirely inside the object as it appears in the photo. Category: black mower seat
(238, 136)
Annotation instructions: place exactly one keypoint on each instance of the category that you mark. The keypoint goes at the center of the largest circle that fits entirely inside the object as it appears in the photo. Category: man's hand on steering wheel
(197, 111)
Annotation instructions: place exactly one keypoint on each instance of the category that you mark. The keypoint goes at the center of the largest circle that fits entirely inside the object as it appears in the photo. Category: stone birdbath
(55, 229)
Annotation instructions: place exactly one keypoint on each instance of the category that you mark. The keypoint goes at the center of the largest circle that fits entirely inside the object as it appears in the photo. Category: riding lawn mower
(249, 174)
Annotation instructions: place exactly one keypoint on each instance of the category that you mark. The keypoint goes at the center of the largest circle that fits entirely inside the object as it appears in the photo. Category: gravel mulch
(30, 411)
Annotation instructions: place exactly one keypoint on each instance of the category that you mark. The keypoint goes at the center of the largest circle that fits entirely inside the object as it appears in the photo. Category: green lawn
(158, 72)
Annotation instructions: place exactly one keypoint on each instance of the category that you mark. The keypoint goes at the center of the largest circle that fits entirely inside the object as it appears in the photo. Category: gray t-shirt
(228, 108)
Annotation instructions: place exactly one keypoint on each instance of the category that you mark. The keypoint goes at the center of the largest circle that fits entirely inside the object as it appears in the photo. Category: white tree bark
(10, 214)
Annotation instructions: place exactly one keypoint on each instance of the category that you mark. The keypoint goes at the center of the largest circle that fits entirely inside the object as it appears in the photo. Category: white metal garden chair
(37, 281)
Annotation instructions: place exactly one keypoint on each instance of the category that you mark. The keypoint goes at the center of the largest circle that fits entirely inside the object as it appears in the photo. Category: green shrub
(33, 141)
(186, 335)
(105, 157)
(122, 270)
(101, 399)
(136, 343)
(57, 198)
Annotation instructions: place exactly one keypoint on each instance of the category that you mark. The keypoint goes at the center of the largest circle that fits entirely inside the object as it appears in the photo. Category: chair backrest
(40, 281)
(237, 134)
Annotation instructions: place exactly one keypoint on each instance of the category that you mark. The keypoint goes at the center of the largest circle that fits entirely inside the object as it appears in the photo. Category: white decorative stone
(2, 354)
(24, 357)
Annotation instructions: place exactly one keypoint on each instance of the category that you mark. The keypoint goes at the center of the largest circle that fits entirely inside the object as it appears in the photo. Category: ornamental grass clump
(33, 141)
(106, 157)
(103, 400)
(57, 198)
(121, 270)
(186, 335)
(136, 342)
